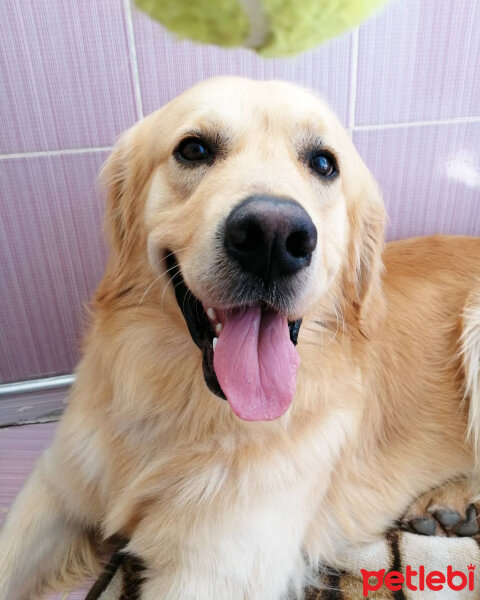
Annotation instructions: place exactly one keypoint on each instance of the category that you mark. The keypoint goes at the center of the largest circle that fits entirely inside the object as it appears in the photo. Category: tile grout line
(350, 129)
(352, 100)
(55, 152)
(408, 124)
(133, 58)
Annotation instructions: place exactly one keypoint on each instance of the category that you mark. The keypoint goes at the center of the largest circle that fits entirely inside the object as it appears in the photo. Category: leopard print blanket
(402, 566)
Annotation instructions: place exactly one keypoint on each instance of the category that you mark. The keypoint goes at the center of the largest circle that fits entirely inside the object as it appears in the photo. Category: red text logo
(418, 580)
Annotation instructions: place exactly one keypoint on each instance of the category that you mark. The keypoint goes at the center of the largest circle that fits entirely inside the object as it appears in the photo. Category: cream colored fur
(471, 364)
(218, 507)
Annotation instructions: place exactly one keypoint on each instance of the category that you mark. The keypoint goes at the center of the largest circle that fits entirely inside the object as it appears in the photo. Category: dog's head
(249, 203)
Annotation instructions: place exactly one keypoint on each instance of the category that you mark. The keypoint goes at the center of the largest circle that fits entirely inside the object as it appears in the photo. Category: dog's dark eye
(193, 150)
(323, 164)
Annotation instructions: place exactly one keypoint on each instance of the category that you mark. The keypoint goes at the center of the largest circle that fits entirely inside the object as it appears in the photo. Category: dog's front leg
(253, 554)
(41, 544)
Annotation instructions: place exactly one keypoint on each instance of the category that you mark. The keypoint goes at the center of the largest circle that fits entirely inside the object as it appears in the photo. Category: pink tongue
(256, 364)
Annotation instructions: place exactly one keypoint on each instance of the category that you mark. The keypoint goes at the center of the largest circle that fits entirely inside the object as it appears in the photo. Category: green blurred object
(270, 27)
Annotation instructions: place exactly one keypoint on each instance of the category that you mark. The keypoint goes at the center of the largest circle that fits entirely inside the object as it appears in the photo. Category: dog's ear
(362, 286)
(125, 176)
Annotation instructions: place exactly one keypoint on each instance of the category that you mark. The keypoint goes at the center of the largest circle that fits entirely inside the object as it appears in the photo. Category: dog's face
(254, 207)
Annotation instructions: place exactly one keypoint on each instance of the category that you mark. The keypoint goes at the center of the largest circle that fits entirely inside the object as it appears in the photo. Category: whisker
(174, 285)
(337, 303)
(157, 279)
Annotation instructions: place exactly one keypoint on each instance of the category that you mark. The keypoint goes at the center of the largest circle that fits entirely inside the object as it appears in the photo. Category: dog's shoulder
(432, 257)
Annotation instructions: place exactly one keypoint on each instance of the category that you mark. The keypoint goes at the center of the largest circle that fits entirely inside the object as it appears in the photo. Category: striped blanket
(402, 566)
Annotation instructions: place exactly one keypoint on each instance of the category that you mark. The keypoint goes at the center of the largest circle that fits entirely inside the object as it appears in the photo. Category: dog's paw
(450, 510)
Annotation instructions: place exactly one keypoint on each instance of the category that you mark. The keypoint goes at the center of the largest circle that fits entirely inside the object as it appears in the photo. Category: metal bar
(36, 385)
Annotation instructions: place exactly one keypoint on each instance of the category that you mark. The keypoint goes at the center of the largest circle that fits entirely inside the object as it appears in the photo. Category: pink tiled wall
(73, 75)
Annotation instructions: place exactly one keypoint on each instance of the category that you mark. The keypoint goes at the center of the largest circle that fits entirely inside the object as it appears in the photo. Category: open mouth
(249, 355)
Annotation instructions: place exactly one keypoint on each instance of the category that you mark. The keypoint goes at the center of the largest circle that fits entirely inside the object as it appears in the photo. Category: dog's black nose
(270, 237)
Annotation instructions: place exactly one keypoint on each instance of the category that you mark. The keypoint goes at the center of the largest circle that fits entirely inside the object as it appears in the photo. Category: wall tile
(65, 77)
(430, 177)
(53, 255)
(419, 60)
(168, 66)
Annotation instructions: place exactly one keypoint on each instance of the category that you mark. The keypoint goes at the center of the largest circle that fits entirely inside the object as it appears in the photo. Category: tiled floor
(19, 448)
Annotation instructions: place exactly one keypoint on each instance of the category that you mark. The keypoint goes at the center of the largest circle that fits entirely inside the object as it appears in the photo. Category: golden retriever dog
(263, 384)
